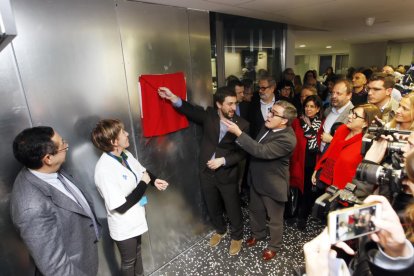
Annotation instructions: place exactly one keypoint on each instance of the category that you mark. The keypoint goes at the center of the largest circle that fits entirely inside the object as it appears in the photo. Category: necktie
(85, 206)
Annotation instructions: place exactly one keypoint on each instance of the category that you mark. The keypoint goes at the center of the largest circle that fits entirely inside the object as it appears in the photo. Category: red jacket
(340, 161)
(297, 161)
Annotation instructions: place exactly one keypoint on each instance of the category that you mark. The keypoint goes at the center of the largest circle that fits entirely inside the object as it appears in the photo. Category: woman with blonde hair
(404, 115)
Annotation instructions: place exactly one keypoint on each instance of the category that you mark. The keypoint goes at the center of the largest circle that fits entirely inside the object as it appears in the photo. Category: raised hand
(166, 93)
(232, 127)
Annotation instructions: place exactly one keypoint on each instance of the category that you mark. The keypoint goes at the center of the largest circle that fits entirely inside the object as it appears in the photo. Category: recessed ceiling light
(328, 47)
(302, 46)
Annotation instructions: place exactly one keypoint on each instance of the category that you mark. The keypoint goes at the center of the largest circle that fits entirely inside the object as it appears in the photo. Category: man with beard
(338, 111)
(219, 157)
(259, 106)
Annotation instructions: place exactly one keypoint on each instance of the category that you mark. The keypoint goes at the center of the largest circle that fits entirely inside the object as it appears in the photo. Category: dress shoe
(216, 239)
(268, 254)
(235, 246)
(251, 241)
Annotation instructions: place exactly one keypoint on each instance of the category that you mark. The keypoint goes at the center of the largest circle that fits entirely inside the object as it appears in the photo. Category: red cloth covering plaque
(159, 117)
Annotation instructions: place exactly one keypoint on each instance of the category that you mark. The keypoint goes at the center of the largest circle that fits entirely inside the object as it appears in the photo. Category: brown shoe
(216, 239)
(268, 254)
(251, 241)
(235, 246)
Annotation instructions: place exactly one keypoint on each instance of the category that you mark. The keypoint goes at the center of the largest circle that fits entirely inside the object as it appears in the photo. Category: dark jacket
(269, 162)
(210, 144)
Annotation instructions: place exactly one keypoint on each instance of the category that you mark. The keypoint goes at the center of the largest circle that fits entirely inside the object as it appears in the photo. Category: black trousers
(219, 198)
(307, 199)
(131, 258)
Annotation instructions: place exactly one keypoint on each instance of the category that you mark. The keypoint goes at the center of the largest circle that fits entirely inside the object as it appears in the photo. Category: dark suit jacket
(244, 110)
(255, 117)
(227, 148)
(58, 233)
(269, 162)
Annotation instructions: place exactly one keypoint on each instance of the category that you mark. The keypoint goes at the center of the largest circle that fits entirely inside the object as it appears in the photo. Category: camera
(374, 133)
(383, 176)
(333, 199)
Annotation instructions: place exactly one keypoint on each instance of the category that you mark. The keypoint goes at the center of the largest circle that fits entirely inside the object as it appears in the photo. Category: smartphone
(353, 222)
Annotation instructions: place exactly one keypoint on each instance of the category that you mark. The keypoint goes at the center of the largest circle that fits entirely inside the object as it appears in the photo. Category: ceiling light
(370, 21)
(302, 46)
(328, 47)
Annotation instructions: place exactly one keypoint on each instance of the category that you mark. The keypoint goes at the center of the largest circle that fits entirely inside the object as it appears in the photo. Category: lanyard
(123, 158)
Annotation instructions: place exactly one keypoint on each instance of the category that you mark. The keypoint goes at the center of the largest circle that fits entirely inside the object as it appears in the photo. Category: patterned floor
(203, 260)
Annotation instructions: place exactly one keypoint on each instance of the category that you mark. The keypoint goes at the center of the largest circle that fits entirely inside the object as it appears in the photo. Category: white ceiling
(317, 23)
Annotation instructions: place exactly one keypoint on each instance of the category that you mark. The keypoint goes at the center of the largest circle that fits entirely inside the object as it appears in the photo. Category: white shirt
(330, 120)
(114, 183)
(264, 107)
(51, 179)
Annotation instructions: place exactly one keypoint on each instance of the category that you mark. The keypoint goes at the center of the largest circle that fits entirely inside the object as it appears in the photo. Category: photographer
(393, 255)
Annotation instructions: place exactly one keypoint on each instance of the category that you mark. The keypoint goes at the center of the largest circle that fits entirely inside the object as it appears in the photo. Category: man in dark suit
(53, 216)
(261, 103)
(219, 156)
(269, 173)
(242, 107)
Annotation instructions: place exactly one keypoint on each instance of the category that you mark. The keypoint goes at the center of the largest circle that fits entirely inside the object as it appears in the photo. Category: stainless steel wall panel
(200, 51)
(14, 116)
(70, 58)
(155, 40)
(74, 62)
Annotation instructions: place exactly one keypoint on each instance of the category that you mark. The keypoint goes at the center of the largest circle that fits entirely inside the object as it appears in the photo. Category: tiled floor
(201, 259)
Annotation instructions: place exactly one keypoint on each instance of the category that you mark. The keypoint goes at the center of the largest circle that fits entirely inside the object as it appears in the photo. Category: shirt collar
(339, 111)
(119, 158)
(44, 176)
(385, 106)
(272, 102)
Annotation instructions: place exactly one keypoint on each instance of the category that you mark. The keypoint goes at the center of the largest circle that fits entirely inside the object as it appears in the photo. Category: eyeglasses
(66, 146)
(263, 88)
(355, 115)
(274, 114)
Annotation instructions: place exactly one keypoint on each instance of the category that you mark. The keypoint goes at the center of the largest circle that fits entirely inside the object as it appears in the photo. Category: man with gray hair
(268, 173)
(259, 106)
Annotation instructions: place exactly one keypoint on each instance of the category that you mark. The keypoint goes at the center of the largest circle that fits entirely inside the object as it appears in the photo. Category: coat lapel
(57, 196)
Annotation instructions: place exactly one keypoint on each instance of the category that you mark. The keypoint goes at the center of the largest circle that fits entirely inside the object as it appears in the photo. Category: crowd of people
(262, 140)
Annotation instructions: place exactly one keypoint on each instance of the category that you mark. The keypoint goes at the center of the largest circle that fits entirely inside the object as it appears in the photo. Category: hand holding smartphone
(353, 222)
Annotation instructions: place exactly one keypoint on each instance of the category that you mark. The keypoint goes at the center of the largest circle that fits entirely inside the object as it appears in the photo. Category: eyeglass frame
(270, 111)
(263, 88)
(64, 142)
(355, 115)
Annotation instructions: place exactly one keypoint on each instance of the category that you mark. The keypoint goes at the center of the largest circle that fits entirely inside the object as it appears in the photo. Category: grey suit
(58, 233)
(268, 176)
(343, 117)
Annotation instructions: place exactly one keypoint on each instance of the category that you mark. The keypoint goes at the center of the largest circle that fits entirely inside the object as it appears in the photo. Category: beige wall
(368, 54)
